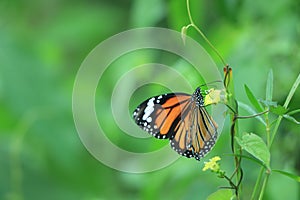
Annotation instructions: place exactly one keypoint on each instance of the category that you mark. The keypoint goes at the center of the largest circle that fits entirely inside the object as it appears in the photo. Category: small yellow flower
(215, 159)
(213, 97)
(212, 164)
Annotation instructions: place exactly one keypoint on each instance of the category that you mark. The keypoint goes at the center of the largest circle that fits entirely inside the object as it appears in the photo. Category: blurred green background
(42, 44)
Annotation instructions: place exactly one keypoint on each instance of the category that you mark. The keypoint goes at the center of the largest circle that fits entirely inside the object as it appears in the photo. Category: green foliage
(289, 116)
(42, 46)
(255, 145)
(251, 111)
(278, 110)
(253, 100)
(222, 194)
(269, 88)
(292, 119)
(290, 175)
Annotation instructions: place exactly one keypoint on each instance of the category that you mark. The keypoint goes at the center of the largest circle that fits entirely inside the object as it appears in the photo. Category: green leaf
(293, 112)
(222, 194)
(290, 175)
(251, 111)
(292, 119)
(251, 158)
(269, 88)
(253, 99)
(255, 145)
(278, 110)
(268, 103)
(292, 92)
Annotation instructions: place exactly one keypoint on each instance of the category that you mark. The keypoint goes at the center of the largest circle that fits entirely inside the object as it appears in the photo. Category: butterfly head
(198, 97)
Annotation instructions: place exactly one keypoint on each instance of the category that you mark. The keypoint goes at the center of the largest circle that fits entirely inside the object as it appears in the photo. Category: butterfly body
(181, 118)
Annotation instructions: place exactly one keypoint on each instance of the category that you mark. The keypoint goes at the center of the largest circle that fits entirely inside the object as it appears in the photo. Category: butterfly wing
(197, 139)
(160, 115)
(180, 118)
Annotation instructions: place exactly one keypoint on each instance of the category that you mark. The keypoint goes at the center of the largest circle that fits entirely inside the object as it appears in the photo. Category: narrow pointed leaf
(251, 111)
(290, 175)
(253, 99)
(292, 119)
(292, 92)
(293, 112)
(268, 103)
(269, 88)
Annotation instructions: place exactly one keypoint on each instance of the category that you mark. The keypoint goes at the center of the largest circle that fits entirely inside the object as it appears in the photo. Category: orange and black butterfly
(181, 118)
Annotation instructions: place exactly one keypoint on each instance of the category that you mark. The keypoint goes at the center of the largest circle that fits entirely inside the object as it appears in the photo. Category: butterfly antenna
(210, 83)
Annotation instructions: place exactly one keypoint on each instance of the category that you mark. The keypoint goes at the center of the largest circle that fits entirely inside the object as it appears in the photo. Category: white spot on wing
(149, 119)
(149, 109)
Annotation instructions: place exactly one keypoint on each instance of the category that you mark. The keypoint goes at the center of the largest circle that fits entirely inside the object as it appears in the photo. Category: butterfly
(181, 118)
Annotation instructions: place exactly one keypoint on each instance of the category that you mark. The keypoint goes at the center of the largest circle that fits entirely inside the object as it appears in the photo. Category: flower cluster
(212, 164)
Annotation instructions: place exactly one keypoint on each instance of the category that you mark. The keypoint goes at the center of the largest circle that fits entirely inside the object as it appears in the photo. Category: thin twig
(201, 33)
(252, 116)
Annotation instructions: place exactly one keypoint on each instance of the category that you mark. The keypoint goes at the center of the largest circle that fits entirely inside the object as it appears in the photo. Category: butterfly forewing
(159, 115)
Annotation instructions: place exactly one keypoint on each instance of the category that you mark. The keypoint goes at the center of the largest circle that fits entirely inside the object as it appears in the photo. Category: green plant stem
(285, 105)
(255, 190)
(189, 11)
(230, 182)
(263, 187)
(238, 171)
(237, 160)
(258, 181)
(201, 33)
(268, 130)
(278, 121)
(252, 116)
